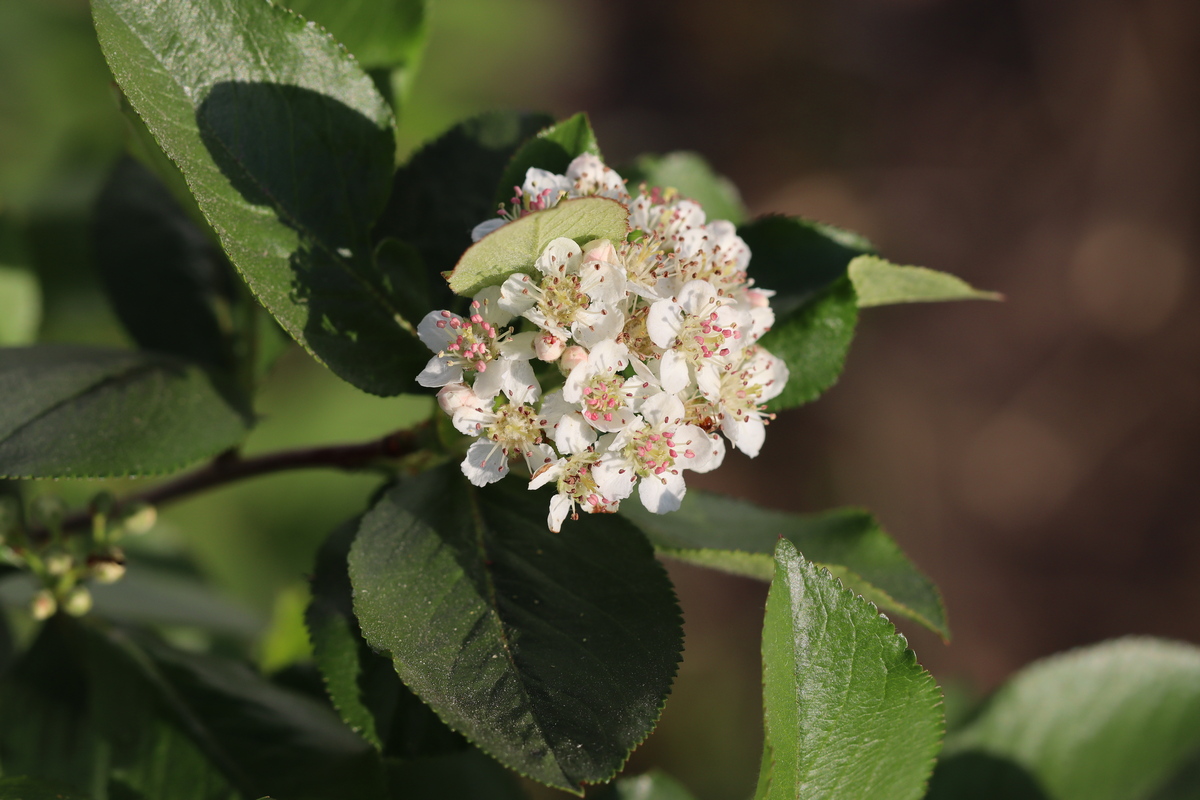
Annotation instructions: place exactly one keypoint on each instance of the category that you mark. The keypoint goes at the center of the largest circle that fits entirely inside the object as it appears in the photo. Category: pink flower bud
(571, 358)
(759, 298)
(600, 250)
(454, 396)
(548, 347)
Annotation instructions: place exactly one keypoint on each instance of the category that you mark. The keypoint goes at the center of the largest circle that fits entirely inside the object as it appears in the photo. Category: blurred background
(1036, 458)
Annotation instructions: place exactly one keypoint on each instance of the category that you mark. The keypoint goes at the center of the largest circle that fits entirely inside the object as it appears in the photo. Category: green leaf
(74, 411)
(798, 257)
(813, 341)
(514, 247)
(879, 283)
(553, 150)
(739, 537)
(362, 684)
(691, 175)
(288, 148)
(849, 711)
(25, 788)
(445, 190)
(552, 652)
(263, 738)
(1115, 721)
(380, 33)
(20, 292)
(171, 287)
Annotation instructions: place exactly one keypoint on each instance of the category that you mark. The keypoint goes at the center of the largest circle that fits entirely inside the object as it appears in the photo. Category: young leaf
(739, 537)
(445, 190)
(79, 412)
(813, 341)
(551, 652)
(798, 257)
(1115, 721)
(20, 292)
(552, 149)
(380, 33)
(171, 287)
(695, 179)
(288, 149)
(514, 247)
(880, 283)
(849, 711)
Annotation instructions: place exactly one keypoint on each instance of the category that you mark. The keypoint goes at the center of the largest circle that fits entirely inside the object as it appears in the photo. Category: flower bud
(759, 298)
(140, 519)
(44, 605)
(600, 250)
(59, 564)
(454, 396)
(108, 567)
(548, 347)
(571, 358)
(78, 601)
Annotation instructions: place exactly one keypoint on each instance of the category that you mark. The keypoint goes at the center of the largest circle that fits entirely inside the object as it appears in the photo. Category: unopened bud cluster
(654, 337)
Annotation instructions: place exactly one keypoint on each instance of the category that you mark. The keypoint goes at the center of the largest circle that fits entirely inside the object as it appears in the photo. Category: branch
(230, 467)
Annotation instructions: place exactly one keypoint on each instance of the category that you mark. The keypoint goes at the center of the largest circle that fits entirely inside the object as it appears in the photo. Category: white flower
(576, 487)
(697, 325)
(509, 430)
(563, 422)
(478, 345)
(738, 396)
(597, 387)
(656, 449)
(590, 176)
(578, 295)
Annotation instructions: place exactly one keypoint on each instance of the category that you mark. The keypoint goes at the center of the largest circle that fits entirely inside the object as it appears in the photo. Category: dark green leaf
(20, 292)
(879, 283)
(81, 412)
(552, 652)
(739, 537)
(45, 729)
(172, 288)
(813, 341)
(446, 189)
(514, 247)
(552, 149)
(364, 685)
(982, 776)
(695, 179)
(88, 412)
(798, 257)
(288, 148)
(25, 788)
(263, 738)
(404, 274)
(849, 711)
(1111, 722)
(380, 33)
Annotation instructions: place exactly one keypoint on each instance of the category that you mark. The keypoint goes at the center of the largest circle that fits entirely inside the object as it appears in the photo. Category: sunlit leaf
(879, 283)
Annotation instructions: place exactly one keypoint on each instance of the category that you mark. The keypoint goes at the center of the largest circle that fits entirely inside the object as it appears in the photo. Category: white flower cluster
(655, 336)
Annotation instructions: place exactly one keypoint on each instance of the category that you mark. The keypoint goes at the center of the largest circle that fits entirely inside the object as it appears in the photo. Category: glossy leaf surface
(380, 33)
(849, 711)
(552, 652)
(89, 412)
(288, 148)
(739, 537)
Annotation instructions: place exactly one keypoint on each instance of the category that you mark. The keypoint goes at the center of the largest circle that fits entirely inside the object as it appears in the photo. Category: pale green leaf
(1115, 721)
(514, 247)
(879, 283)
